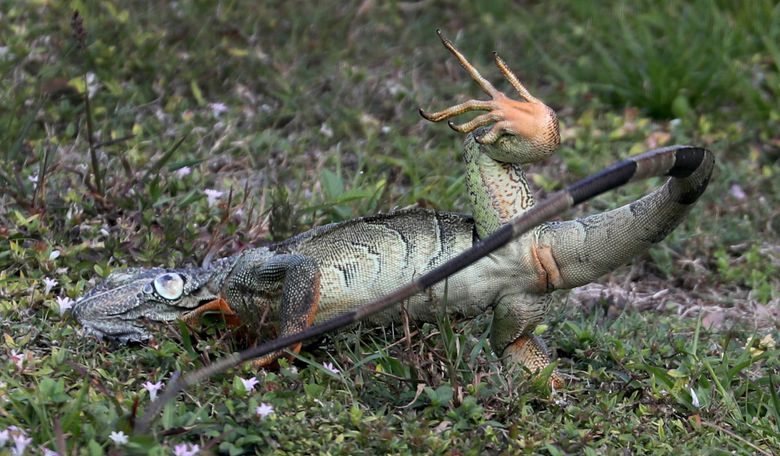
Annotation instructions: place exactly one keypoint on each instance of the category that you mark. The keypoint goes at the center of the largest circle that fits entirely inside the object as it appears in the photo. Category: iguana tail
(577, 252)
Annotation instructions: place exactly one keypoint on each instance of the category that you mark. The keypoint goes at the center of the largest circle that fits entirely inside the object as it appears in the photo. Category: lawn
(212, 126)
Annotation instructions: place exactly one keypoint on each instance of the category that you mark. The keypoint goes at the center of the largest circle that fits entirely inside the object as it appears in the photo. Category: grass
(304, 119)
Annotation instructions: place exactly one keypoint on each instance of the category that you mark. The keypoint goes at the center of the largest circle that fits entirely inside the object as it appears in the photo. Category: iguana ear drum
(169, 286)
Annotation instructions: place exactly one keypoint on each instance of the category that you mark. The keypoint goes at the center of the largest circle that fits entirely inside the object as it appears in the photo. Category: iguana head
(117, 308)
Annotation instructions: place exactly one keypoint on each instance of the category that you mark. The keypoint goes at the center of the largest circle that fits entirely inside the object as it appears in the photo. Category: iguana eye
(169, 286)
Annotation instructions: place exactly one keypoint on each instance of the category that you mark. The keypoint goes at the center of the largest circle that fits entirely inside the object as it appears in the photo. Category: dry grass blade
(166, 157)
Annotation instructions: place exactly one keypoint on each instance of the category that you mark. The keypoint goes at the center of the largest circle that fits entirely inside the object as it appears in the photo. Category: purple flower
(331, 368)
(185, 449)
(737, 192)
(218, 108)
(249, 384)
(153, 388)
(264, 410)
(20, 443)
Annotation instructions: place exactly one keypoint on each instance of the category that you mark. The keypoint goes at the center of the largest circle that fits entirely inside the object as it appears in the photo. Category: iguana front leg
(284, 288)
(523, 131)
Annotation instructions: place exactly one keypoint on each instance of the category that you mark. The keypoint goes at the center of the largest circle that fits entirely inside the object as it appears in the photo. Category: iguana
(338, 273)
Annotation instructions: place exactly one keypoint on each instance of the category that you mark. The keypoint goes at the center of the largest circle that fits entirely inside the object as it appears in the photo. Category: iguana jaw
(116, 309)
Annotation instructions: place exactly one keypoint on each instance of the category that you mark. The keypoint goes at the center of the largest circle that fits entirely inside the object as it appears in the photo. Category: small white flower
(54, 255)
(326, 130)
(119, 438)
(18, 360)
(249, 383)
(183, 171)
(3, 438)
(218, 109)
(92, 84)
(186, 449)
(33, 178)
(212, 196)
(330, 367)
(153, 388)
(64, 304)
(694, 398)
(48, 452)
(263, 410)
(48, 284)
(385, 129)
(20, 444)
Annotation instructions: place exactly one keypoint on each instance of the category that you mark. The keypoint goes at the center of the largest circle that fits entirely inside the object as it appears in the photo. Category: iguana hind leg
(531, 351)
(259, 278)
(514, 319)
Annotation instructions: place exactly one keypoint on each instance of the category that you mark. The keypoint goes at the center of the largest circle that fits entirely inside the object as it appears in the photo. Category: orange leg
(528, 117)
(192, 318)
(531, 352)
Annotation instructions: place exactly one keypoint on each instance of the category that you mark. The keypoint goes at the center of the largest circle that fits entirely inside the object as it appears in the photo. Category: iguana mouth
(122, 307)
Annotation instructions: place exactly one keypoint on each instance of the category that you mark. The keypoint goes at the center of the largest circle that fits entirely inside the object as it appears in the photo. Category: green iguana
(342, 272)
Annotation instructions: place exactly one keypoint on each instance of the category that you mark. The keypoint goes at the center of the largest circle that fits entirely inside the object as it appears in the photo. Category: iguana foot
(192, 318)
(531, 352)
(528, 118)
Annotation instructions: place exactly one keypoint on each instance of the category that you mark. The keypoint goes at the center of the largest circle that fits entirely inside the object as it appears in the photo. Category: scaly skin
(284, 288)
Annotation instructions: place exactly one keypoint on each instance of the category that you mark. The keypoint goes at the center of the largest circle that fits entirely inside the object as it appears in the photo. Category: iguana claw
(528, 118)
